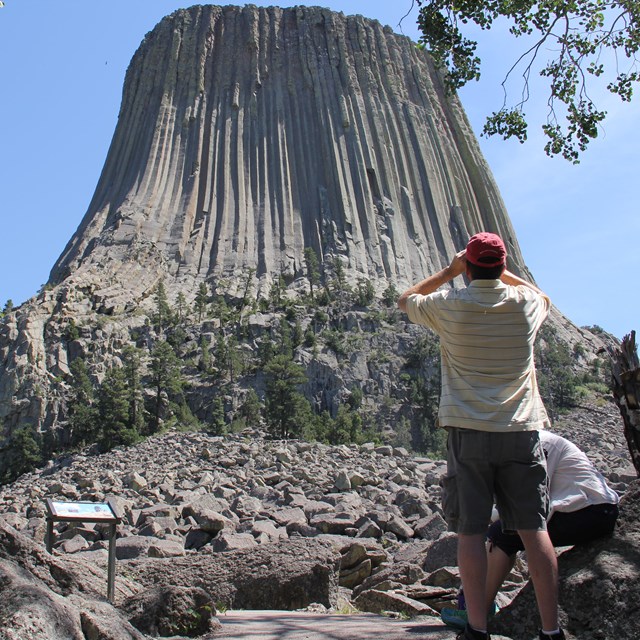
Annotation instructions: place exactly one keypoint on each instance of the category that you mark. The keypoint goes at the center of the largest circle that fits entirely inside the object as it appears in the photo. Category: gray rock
(399, 527)
(166, 549)
(285, 575)
(73, 545)
(376, 601)
(355, 575)
(353, 556)
(44, 597)
(135, 481)
(268, 529)
(368, 528)
(197, 538)
(261, 513)
(233, 541)
(211, 521)
(401, 573)
(343, 481)
(333, 523)
(172, 611)
(287, 517)
(431, 527)
(442, 553)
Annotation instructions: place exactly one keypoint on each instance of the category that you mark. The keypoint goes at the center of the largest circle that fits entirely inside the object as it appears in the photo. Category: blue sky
(63, 66)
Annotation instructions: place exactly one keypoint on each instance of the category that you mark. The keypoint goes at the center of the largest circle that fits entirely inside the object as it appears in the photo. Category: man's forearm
(428, 285)
(511, 278)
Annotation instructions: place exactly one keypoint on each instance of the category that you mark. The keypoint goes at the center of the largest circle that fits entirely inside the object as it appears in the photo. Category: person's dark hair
(477, 272)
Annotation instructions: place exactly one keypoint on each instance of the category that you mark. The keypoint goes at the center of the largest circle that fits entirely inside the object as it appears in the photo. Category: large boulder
(169, 611)
(289, 574)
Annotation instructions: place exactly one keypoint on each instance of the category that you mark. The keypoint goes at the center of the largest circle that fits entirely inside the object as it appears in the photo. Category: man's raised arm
(511, 278)
(435, 281)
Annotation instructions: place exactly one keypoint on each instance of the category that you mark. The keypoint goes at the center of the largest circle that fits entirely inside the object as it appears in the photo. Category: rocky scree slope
(248, 522)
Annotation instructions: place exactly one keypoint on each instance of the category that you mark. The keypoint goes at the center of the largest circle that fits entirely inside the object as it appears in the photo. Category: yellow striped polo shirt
(487, 331)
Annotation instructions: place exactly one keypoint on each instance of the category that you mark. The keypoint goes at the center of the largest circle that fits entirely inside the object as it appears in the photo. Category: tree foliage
(312, 267)
(163, 315)
(23, 453)
(114, 411)
(202, 298)
(134, 390)
(587, 40)
(82, 410)
(166, 380)
(424, 385)
(286, 410)
(557, 382)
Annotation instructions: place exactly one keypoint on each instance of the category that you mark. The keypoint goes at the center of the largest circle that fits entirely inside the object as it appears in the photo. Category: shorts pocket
(450, 502)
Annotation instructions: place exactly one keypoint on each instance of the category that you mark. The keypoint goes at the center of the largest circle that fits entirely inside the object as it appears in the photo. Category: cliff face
(248, 134)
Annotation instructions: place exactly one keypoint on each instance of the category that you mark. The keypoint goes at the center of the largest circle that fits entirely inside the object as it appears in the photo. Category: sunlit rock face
(248, 134)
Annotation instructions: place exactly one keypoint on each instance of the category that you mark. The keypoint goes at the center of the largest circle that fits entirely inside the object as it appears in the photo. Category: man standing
(491, 407)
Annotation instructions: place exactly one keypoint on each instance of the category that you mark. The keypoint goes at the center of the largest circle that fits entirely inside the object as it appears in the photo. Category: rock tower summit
(249, 134)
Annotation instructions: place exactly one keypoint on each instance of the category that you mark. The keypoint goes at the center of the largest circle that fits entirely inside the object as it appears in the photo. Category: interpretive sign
(89, 512)
(82, 511)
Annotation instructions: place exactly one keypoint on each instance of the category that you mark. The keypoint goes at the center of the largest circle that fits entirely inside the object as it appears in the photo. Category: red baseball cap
(486, 250)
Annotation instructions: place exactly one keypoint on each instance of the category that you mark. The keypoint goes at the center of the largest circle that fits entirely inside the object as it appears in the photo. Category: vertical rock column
(247, 134)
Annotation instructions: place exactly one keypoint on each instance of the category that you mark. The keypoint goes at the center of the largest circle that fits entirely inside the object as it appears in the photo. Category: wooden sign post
(97, 512)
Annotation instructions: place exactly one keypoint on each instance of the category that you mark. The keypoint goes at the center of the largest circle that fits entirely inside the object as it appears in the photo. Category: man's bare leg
(472, 562)
(543, 569)
(499, 564)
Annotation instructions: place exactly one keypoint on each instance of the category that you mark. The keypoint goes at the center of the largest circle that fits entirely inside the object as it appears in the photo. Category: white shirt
(575, 482)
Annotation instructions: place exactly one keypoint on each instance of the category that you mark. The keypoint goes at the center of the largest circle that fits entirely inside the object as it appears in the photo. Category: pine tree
(131, 362)
(114, 411)
(162, 317)
(390, 296)
(339, 277)
(286, 343)
(8, 307)
(365, 293)
(221, 354)
(251, 408)
(23, 454)
(276, 293)
(247, 289)
(71, 331)
(166, 379)
(313, 272)
(235, 359)
(204, 363)
(202, 298)
(287, 411)
(297, 335)
(83, 415)
(217, 424)
(220, 310)
(182, 308)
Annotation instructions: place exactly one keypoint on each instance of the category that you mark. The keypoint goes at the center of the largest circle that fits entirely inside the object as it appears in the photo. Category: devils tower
(248, 137)
(248, 134)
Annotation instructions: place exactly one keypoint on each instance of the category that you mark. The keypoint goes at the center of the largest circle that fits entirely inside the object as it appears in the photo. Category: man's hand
(429, 285)
(459, 263)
